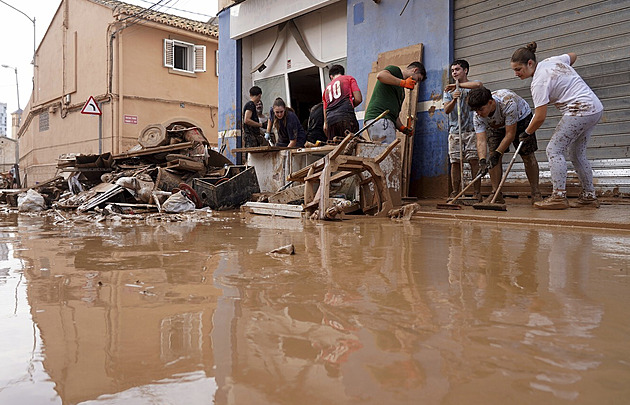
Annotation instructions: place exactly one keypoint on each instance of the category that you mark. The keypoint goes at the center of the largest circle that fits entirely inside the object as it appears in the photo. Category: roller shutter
(486, 33)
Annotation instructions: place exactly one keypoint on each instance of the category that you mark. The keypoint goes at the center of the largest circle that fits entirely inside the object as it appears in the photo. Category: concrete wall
(375, 28)
(7, 153)
(71, 59)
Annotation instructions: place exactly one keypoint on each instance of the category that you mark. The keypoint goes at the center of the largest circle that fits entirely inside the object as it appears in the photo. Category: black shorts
(495, 136)
(339, 128)
(252, 139)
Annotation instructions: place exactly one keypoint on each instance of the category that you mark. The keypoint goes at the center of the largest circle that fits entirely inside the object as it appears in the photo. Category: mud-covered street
(367, 311)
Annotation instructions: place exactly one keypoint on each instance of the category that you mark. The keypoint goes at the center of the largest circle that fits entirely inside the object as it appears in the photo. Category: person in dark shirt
(287, 124)
(252, 136)
(315, 130)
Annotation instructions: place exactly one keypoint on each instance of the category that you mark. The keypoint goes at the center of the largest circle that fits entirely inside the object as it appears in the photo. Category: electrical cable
(182, 10)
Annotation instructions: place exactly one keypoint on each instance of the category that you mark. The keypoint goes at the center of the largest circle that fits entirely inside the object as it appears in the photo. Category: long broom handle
(384, 113)
(461, 193)
(496, 193)
(459, 127)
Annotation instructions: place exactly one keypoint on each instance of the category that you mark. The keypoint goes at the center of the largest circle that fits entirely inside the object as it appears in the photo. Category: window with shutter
(168, 53)
(200, 58)
(184, 56)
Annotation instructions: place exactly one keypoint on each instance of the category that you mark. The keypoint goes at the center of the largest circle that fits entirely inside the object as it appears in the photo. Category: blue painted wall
(229, 94)
(375, 28)
(372, 29)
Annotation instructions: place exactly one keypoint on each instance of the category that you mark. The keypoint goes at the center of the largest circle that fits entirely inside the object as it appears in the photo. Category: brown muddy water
(365, 312)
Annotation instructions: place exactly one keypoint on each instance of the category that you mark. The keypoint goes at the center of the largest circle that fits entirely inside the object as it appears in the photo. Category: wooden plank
(324, 186)
(153, 151)
(185, 164)
(313, 151)
(260, 149)
(407, 149)
(281, 210)
(288, 195)
(47, 183)
(401, 57)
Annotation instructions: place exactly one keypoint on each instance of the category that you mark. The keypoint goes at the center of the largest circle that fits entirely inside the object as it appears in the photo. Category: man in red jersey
(340, 97)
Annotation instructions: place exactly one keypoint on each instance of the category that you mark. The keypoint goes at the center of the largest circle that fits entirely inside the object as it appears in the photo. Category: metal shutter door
(486, 33)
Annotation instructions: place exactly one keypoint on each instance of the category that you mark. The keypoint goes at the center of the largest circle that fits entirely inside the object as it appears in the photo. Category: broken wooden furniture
(375, 198)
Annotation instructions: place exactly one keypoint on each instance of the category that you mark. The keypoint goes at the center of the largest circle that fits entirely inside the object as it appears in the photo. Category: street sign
(130, 119)
(91, 108)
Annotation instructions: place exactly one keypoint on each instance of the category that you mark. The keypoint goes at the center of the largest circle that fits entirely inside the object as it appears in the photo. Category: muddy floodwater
(365, 312)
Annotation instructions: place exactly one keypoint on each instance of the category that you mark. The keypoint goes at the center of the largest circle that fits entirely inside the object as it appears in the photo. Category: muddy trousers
(571, 136)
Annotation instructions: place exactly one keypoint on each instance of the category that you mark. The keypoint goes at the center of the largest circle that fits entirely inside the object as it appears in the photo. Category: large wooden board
(401, 58)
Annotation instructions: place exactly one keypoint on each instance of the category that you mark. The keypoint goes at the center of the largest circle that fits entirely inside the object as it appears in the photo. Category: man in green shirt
(388, 94)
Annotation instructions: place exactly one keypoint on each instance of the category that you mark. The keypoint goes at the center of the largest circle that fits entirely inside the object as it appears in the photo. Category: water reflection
(365, 312)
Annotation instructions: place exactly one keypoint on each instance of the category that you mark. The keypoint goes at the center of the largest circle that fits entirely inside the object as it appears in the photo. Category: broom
(492, 205)
(450, 204)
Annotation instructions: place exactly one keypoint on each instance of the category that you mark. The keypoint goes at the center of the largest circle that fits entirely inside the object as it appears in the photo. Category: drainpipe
(239, 98)
(120, 96)
(116, 104)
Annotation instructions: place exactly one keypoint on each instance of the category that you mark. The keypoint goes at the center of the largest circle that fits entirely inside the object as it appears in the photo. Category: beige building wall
(7, 153)
(156, 94)
(73, 63)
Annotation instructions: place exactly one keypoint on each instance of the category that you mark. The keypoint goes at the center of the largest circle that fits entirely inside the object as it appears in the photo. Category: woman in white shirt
(554, 81)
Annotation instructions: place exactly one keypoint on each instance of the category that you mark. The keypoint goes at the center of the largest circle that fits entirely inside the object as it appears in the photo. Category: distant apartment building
(3, 119)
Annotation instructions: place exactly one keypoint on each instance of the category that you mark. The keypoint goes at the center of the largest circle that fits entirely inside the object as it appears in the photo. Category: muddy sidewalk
(613, 214)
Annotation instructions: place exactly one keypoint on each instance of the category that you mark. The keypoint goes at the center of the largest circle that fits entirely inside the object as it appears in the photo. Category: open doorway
(305, 90)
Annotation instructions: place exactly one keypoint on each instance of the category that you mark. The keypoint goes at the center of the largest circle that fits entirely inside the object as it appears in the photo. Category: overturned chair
(375, 198)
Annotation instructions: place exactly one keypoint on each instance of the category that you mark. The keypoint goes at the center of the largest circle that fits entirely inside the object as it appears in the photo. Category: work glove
(405, 130)
(524, 136)
(408, 83)
(494, 158)
(483, 168)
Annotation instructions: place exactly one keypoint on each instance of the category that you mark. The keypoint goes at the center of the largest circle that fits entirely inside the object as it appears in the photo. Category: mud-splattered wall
(229, 87)
(376, 28)
(372, 29)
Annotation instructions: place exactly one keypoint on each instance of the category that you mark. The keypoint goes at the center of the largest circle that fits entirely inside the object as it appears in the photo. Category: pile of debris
(172, 170)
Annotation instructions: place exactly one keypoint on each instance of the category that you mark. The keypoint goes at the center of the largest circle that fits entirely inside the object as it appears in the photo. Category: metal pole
(17, 87)
(100, 129)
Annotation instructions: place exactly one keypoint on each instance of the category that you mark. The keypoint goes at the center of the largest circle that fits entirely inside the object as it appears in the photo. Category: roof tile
(159, 17)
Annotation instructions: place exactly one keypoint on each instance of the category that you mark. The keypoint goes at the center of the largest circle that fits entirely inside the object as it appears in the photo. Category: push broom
(492, 205)
(451, 204)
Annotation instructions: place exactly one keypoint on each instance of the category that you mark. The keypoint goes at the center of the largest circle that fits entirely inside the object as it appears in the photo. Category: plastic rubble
(178, 202)
(138, 187)
(31, 201)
